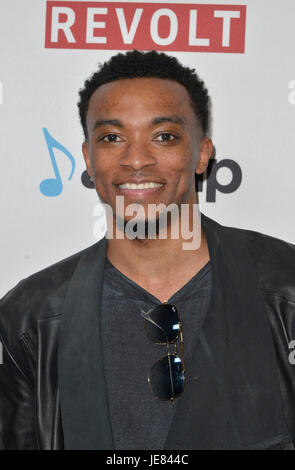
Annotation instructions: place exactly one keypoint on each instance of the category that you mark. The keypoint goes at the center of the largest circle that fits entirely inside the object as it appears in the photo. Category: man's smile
(146, 185)
(139, 189)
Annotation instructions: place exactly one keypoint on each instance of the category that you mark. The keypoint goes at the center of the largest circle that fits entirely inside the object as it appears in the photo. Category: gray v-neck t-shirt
(138, 420)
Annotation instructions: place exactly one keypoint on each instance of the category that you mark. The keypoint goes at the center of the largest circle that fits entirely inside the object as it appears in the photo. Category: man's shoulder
(274, 259)
(40, 294)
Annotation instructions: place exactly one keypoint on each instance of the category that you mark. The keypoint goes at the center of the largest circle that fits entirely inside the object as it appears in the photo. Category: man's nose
(137, 155)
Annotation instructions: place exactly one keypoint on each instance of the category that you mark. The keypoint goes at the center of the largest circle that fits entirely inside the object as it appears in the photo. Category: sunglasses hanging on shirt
(167, 375)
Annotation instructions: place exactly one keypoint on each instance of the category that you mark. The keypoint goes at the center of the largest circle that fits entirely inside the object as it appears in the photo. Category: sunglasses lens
(162, 325)
(167, 380)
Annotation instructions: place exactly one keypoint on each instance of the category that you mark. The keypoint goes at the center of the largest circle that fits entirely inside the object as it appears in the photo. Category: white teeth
(147, 185)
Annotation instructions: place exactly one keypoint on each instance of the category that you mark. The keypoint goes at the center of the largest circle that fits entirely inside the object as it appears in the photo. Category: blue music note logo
(53, 186)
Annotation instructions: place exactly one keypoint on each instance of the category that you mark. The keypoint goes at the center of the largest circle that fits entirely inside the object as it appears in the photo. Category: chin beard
(145, 228)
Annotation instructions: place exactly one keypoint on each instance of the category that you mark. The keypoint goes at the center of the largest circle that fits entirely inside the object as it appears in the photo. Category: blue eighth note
(53, 186)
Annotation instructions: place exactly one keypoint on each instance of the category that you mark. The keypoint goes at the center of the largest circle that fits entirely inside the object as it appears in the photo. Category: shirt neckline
(195, 278)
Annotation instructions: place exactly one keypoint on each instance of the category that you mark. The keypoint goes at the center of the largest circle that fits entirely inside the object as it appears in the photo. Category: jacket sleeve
(17, 394)
(17, 422)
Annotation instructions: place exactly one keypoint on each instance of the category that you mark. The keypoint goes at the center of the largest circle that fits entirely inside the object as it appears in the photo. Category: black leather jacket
(52, 387)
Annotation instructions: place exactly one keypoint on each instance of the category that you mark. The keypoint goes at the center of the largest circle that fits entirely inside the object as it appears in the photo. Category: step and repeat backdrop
(243, 50)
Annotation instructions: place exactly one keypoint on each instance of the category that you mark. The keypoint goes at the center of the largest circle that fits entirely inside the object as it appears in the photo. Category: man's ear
(85, 151)
(205, 154)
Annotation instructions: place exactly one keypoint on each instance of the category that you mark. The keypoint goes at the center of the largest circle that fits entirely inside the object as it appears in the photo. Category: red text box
(145, 26)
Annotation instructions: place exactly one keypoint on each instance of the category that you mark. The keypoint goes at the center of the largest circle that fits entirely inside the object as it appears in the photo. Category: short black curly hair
(147, 64)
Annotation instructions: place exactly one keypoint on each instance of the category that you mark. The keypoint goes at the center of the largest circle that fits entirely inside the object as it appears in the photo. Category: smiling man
(145, 142)
(137, 342)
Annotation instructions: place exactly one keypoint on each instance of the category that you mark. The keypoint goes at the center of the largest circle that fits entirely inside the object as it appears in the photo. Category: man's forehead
(137, 92)
(159, 87)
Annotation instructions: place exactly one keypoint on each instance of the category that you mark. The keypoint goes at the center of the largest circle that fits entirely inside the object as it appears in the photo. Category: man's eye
(166, 137)
(109, 138)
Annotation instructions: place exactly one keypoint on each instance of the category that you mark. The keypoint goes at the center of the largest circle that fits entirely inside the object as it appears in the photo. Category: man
(139, 342)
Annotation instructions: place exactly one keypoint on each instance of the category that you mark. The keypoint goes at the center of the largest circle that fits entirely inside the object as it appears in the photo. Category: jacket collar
(248, 394)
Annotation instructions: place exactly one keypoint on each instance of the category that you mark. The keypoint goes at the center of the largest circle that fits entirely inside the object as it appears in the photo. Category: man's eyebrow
(158, 120)
(106, 122)
(174, 119)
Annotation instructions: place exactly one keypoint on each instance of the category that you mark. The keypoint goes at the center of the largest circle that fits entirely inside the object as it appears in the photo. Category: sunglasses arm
(181, 346)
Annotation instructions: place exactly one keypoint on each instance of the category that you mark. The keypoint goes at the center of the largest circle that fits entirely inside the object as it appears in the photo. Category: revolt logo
(145, 26)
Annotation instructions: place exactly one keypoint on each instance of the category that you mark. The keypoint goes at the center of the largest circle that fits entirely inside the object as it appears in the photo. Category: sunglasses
(167, 376)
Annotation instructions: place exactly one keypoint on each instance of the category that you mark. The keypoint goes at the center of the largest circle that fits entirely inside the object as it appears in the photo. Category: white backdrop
(253, 96)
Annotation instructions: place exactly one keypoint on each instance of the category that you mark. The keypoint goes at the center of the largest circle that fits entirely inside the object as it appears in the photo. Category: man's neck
(161, 266)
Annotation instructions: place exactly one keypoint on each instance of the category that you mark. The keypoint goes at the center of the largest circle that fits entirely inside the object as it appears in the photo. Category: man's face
(144, 130)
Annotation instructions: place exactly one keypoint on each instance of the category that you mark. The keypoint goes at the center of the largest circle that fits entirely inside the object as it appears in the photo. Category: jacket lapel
(232, 398)
(83, 394)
